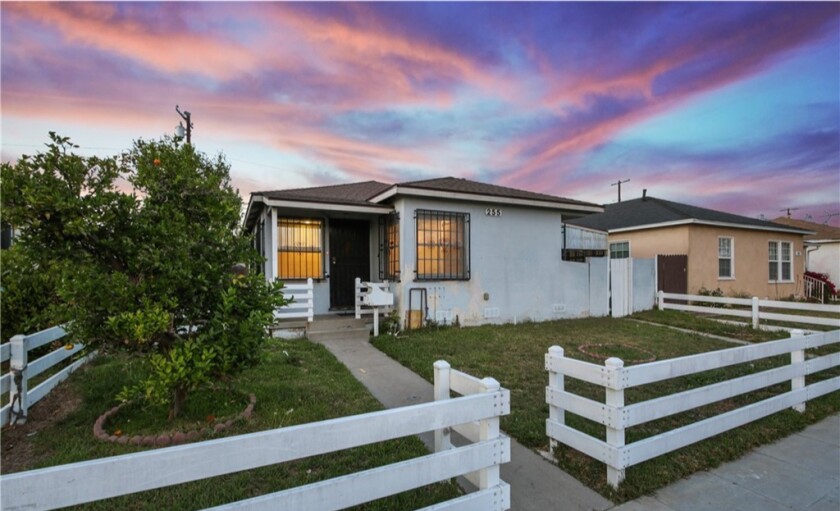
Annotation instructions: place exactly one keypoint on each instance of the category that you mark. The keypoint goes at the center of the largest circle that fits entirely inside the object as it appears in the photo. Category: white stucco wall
(515, 260)
(826, 259)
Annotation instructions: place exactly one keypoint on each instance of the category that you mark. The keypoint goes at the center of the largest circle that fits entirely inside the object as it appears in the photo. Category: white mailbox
(376, 297)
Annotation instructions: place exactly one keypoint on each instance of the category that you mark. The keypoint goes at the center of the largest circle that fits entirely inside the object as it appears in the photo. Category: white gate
(621, 287)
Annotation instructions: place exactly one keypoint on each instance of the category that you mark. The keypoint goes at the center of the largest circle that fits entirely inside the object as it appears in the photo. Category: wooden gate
(672, 273)
(621, 287)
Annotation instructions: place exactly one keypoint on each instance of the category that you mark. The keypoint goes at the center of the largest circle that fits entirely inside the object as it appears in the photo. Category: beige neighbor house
(700, 248)
(822, 248)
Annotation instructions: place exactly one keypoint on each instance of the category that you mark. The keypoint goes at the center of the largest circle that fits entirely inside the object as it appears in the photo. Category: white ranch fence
(754, 313)
(88, 481)
(360, 290)
(21, 370)
(617, 416)
(303, 303)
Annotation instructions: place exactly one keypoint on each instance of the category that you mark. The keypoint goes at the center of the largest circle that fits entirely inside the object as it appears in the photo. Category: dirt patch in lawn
(17, 442)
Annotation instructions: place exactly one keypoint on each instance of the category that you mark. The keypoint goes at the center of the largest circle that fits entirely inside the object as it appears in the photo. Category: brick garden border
(164, 439)
(583, 349)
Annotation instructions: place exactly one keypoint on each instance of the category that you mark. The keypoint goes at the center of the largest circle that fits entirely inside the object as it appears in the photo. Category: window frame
(619, 242)
(389, 247)
(731, 258)
(465, 248)
(296, 221)
(780, 262)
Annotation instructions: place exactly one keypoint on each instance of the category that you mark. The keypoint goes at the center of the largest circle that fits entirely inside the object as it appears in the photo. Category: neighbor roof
(821, 231)
(649, 212)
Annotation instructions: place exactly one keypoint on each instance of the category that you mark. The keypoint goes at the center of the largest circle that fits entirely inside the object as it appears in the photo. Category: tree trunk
(178, 398)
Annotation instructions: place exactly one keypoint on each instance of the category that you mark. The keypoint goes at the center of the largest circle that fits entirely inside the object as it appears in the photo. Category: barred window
(443, 245)
(389, 246)
(579, 255)
(299, 248)
(259, 245)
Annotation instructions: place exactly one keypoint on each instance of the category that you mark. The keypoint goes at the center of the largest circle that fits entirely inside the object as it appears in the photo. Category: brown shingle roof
(353, 193)
(460, 185)
(823, 232)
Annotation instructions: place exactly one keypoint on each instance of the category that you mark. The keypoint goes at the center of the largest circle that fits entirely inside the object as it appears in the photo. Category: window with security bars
(443, 245)
(389, 247)
(725, 258)
(579, 255)
(259, 244)
(299, 249)
(778, 254)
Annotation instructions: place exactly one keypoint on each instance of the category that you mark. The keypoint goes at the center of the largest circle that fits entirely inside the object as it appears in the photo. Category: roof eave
(709, 222)
(476, 197)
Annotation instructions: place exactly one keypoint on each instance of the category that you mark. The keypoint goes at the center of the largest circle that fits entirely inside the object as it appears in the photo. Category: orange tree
(137, 252)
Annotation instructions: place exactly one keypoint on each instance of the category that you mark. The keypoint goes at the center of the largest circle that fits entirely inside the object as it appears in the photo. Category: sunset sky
(733, 106)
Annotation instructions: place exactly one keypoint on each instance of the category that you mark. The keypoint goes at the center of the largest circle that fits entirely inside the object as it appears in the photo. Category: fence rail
(755, 313)
(303, 302)
(99, 479)
(21, 371)
(617, 417)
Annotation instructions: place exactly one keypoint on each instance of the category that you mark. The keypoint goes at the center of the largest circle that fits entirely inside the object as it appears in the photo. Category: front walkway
(535, 484)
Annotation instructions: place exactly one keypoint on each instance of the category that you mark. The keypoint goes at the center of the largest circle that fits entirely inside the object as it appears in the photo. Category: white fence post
(311, 309)
(556, 381)
(442, 371)
(358, 304)
(660, 303)
(489, 430)
(615, 436)
(798, 382)
(755, 312)
(19, 395)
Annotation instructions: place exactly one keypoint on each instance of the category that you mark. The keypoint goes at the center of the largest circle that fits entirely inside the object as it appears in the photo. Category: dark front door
(672, 273)
(349, 258)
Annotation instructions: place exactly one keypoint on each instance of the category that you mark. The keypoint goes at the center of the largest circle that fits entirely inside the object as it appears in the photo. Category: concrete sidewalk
(800, 472)
(536, 484)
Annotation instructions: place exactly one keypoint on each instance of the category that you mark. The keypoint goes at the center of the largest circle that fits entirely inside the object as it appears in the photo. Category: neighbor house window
(299, 248)
(620, 250)
(443, 245)
(779, 253)
(389, 247)
(725, 267)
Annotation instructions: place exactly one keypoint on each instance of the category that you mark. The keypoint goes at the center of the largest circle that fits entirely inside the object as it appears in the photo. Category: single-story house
(822, 247)
(705, 248)
(457, 249)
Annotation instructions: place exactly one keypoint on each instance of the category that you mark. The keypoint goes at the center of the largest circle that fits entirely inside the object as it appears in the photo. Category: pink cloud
(177, 51)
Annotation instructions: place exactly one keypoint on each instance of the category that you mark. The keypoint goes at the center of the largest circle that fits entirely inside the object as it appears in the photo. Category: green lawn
(297, 383)
(700, 323)
(514, 355)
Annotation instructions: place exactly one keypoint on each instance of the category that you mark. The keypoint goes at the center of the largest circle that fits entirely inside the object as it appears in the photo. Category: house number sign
(492, 212)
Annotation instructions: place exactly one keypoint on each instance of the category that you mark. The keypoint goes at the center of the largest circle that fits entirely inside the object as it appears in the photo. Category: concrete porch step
(337, 328)
(345, 334)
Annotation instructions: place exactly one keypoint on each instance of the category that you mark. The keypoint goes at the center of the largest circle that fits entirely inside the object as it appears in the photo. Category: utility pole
(179, 130)
(788, 210)
(619, 187)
